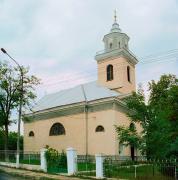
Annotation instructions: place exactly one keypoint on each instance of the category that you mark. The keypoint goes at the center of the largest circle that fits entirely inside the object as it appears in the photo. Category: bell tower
(116, 63)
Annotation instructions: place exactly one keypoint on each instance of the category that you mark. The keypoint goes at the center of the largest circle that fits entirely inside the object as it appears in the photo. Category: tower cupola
(115, 39)
(115, 28)
(116, 63)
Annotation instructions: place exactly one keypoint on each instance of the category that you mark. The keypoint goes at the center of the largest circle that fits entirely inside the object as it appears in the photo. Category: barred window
(57, 129)
(99, 129)
(31, 134)
(109, 72)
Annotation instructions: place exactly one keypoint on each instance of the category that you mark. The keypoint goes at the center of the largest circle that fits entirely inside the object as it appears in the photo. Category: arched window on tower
(109, 70)
(110, 45)
(57, 129)
(99, 129)
(119, 45)
(31, 134)
(128, 73)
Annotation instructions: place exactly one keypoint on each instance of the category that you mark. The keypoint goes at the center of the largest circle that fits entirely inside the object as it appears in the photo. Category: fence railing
(86, 165)
(26, 157)
(125, 158)
(98, 166)
(58, 164)
(141, 169)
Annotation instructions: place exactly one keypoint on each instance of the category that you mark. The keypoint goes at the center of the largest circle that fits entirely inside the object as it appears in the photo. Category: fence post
(99, 166)
(175, 169)
(71, 161)
(17, 161)
(135, 171)
(43, 160)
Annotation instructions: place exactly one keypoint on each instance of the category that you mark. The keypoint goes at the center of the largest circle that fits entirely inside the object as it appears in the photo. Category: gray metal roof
(77, 94)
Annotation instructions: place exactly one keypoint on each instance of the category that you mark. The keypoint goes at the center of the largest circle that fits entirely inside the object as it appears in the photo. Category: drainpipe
(86, 120)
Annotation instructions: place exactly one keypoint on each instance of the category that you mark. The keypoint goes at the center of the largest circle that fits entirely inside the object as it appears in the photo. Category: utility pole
(20, 106)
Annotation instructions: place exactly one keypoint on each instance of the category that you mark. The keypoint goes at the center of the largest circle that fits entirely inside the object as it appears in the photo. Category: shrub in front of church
(56, 161)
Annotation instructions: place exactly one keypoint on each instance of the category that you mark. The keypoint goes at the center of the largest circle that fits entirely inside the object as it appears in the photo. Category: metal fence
(86, 165)
(58, 164)
(115, 167)
(26, 157)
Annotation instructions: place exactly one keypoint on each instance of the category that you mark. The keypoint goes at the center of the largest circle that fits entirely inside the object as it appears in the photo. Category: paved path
(7, 172)
(4, 176)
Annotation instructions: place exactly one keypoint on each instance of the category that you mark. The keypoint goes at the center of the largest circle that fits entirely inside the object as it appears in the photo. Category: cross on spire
(115, 16)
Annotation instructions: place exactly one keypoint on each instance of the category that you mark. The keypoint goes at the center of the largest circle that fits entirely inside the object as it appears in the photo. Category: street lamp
(20, 105)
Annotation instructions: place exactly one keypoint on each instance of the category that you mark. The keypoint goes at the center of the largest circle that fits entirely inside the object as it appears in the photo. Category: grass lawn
(83, 166)
(142, 172)
(31, 161)
(86, 169)
(56, 170)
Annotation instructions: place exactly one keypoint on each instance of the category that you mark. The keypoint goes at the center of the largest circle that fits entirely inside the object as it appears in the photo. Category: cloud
(58, 37)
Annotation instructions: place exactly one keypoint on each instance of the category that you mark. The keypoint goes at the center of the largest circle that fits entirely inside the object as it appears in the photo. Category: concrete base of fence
(23, 166)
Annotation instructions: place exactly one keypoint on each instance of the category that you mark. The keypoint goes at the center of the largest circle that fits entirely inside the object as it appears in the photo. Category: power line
(142, 61)
(92, 74)
(87, 76)
(159, 54)
(161, 57)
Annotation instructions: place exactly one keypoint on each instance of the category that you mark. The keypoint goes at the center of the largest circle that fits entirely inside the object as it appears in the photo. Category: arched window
(31, 134)
(132, 126)
(99, 129)
(109, 72)
(128, 73)
(110, 45)
(119, 44)
(57, 129)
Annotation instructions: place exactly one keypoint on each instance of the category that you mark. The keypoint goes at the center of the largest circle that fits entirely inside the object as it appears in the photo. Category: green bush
(56, 161)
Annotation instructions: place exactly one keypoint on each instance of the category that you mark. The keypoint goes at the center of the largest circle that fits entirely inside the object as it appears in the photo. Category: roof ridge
(84, 93)
(68, 88)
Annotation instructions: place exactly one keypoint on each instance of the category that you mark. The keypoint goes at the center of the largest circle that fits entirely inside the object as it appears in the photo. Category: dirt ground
(26, 174)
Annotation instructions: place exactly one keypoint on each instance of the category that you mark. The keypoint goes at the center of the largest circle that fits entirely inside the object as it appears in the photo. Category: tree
(12, 139)
(158, 117)
(10, 92)
(129, 136)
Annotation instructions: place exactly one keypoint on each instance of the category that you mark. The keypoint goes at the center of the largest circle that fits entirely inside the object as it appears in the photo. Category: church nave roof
(81, 93)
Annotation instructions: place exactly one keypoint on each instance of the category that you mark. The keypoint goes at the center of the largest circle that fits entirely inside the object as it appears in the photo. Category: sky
(58, 39)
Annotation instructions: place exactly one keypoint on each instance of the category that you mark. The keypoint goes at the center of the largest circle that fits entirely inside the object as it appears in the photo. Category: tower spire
(115, 26)
(115, 16)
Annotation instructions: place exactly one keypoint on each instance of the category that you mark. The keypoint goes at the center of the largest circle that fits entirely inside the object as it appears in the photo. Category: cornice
(95, 105)
(102, 56)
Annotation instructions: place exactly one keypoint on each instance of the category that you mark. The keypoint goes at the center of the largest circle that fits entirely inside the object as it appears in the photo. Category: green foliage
(158, 118)
(55, 159)
(129, 136)
(12, 145)
(11, 93)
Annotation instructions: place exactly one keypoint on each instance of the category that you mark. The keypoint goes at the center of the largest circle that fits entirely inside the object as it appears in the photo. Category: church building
(84, 117)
